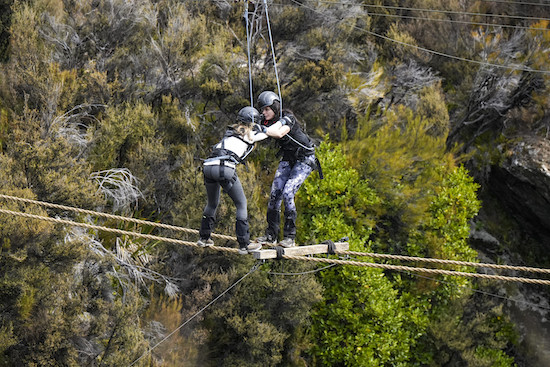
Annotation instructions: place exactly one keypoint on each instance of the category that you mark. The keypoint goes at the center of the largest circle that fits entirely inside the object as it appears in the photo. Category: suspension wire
(248, 35)
(442, 54)
(304, 272)
(252, 270)
(274, 59)
(434, 10)
(516, 2)
(458, 21)
(277, 77)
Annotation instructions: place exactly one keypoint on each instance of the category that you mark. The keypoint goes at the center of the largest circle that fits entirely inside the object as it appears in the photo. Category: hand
(260, 128)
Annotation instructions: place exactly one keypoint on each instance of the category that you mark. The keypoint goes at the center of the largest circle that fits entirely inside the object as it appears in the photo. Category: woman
(297, 162)
(219, 172)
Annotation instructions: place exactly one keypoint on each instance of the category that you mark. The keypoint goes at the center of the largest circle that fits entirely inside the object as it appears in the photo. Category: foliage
(362, 320)
(111, 103)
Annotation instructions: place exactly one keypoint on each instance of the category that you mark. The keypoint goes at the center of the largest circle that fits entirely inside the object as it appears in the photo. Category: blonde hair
(244, 130)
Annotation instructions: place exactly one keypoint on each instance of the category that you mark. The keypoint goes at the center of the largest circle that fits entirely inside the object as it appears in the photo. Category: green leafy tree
(362, 320)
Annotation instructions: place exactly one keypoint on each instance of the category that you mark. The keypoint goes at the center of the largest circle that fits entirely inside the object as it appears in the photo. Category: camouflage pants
(287, 181)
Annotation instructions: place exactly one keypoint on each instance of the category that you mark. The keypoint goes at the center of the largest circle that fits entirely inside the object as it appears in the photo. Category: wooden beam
(300, 250)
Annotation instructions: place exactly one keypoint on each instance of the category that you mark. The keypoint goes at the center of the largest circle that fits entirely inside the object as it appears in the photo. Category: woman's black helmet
(248, 115)
(266, 99)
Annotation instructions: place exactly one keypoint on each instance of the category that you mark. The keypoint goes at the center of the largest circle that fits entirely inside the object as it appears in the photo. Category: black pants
(217, 177)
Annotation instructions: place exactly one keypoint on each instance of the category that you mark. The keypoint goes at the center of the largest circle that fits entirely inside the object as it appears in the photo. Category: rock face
(522, 184)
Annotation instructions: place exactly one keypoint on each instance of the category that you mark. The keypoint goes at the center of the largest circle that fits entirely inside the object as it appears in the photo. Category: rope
(274, 59)
(253, 269)
(248, 35)
(443, 261)
(301, 258)
(113, 230)
(418, 270)
(189, 230)
(112, 216)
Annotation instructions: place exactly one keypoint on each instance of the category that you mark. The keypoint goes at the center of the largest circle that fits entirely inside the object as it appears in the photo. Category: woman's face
(268, 113)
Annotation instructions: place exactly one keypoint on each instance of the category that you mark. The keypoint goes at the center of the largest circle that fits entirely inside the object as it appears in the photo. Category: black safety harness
(222, 154)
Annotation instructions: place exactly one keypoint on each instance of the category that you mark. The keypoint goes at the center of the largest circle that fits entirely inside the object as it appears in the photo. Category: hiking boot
(288, 242)
(205, 242)
(254, 246)
(266, 240)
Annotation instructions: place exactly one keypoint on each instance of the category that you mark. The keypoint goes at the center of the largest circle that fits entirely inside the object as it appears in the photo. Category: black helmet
(266, 99)
(248, 115)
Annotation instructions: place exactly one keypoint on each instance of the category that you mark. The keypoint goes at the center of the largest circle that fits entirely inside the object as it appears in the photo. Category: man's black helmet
(266, 99)
(248, 115)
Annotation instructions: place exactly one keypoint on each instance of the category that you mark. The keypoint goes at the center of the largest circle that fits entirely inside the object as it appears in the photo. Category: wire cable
(252, 270)
(458, 21)
(483, 63)
(248, 34)
(479, 291)
(427, 10)
(274, 59)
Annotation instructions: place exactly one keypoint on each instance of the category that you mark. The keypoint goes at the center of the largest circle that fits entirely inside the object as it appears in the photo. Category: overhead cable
(442, 54)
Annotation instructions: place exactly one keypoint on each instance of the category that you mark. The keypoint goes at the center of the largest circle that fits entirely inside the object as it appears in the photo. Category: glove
(260, 128)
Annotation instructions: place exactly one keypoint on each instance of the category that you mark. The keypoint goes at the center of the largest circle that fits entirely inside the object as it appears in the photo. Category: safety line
(112, 216)
(418, 270)
(253, 269)
(483, 63)
(248, 35)
(349, 253)
(292, 257)
(113, 230)
(274, 60)
(444, 261)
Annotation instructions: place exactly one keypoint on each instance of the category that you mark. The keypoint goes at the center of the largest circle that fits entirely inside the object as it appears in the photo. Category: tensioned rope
(291, 257)
(111, 216)
(248, 35)
(274, 59)
(230, 238)
(253, 269)
(277, 78)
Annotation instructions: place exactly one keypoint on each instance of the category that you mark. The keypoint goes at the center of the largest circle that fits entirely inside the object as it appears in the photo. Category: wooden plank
(300, 250)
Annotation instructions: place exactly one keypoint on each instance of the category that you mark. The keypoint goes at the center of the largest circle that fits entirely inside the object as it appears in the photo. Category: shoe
(254, 246)
(266, 240)
(204, 242)
(288, 242)
(243, 251)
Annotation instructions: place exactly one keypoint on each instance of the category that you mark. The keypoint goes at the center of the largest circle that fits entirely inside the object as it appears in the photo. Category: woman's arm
(278, 129)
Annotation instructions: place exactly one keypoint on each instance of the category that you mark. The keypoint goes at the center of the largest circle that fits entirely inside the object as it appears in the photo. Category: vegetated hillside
(432, 123)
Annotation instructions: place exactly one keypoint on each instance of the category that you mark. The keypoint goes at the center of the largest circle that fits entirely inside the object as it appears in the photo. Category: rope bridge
(290, 254)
